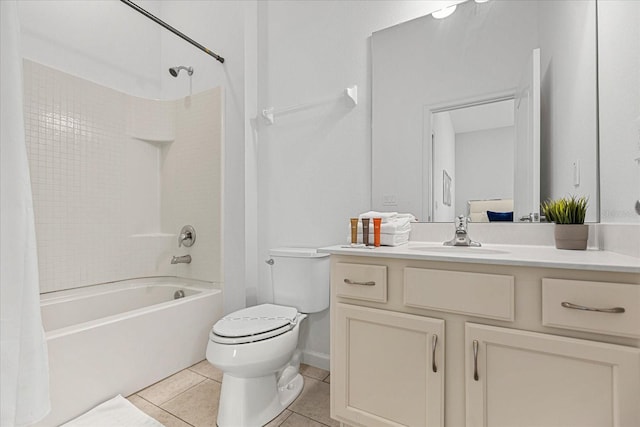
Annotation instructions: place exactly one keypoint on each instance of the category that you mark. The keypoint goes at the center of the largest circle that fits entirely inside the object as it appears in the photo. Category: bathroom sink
(458, 249)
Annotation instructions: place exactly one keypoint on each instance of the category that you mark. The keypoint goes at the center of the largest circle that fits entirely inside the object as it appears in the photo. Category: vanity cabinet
(513, 354)
(391, 367)
(521, 378)
(390, 364)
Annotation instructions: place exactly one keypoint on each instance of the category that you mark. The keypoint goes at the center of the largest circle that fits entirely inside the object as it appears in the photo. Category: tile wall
(191, 188)
(96, 158)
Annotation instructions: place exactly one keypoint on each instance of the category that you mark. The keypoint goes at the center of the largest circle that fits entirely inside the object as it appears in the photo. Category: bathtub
(120, 337)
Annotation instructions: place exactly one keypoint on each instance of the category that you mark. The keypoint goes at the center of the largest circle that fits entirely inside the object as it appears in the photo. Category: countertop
(518, 255)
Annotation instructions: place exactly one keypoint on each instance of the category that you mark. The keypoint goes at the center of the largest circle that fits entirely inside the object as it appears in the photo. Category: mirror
(479, 54)
(461, 137)
(619, 110)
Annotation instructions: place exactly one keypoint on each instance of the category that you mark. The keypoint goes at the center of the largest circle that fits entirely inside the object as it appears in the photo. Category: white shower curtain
(24, 378)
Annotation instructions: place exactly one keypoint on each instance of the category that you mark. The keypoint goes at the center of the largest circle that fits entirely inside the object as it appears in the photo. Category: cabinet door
(387, 368)
(520, 378)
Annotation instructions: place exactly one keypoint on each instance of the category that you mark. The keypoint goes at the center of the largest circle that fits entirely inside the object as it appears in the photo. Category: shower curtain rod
(173, 30)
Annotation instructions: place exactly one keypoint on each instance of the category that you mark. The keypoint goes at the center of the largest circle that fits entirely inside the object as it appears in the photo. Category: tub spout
(184, 259)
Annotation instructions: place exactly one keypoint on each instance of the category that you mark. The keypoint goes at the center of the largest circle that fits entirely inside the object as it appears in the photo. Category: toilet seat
(253, 324)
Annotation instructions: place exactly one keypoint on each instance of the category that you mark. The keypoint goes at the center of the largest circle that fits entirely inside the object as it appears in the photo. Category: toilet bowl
(256, 347)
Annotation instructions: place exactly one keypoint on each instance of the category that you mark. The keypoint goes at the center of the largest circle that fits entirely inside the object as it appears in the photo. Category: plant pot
(571, 236)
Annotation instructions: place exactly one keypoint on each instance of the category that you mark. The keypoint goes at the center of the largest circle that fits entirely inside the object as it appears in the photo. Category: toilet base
(255, 401)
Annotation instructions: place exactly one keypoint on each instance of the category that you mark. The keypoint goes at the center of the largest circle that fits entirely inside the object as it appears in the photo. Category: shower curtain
(24, 379)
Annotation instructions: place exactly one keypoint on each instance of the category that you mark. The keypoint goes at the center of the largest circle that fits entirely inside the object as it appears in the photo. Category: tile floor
(190, 398)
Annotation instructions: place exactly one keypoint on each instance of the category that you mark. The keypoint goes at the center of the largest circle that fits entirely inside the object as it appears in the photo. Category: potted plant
(568, 214)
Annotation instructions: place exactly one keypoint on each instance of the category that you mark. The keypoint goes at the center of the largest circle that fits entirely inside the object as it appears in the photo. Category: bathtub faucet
(184, 259)
(187, 236)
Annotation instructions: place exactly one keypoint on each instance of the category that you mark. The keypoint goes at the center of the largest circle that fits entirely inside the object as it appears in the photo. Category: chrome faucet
(462, 237)
(532, 217)
(184, 259)
(187, 236)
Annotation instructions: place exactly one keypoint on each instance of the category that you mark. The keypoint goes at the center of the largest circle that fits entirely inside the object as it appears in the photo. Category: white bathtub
(120, 337)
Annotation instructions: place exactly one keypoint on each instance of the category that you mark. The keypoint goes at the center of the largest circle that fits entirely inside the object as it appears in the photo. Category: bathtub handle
(187, 236)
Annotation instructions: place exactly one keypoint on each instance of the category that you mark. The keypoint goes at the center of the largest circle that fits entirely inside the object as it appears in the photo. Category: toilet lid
(255, 323)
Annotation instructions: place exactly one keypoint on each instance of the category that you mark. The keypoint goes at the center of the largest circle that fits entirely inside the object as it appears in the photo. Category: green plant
(568, 210)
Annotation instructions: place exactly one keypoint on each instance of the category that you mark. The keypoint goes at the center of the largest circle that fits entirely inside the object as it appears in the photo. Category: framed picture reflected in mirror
(446, 188)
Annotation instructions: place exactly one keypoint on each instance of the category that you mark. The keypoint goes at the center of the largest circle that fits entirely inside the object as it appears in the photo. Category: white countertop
(519, 255)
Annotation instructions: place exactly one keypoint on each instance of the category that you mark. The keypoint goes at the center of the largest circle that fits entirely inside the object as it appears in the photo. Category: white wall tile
(95, 170)
(191, 173)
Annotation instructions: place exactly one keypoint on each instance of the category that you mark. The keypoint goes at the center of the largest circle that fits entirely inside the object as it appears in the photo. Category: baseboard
(314, 358)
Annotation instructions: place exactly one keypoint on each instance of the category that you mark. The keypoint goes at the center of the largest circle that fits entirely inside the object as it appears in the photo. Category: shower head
(175, 70)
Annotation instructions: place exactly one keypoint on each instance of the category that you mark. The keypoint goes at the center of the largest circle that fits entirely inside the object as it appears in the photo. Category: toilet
(256, 347)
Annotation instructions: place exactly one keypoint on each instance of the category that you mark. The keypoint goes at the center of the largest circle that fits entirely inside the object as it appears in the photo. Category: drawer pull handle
(475, 360)
(434, 344)
(351, 282)
(599, 310)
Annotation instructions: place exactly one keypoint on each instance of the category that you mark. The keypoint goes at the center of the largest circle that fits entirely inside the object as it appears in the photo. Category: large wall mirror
(619, 110)
(493, 108)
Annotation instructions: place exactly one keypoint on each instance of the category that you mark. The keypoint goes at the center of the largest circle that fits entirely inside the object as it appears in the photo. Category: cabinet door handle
(599, 310)
(475, 360)
(434, 344)
(352, 282)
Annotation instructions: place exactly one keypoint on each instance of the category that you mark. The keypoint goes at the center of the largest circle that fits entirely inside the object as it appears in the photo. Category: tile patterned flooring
(190, 398)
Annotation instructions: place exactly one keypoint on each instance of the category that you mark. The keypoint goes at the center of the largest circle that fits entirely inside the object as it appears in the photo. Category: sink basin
(459, 249)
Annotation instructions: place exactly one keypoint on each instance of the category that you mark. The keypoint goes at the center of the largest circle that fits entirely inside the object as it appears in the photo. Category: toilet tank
(300, 278)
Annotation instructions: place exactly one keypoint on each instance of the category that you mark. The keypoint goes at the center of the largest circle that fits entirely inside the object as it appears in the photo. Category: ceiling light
(443, 13)
(481, 1)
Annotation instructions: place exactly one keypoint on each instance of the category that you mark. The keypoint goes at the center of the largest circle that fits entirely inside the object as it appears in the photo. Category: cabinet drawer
(360, 281)
(473, 294)
(602, 306)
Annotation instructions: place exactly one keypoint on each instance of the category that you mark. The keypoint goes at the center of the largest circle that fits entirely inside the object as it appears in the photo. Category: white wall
(108, 43)
(114, 178)
(619, 85)
(478, 152)
(95, 187)
(314, 166)
(568, 101)
(444, 158)
(101, 40)
(220, 26)
(191, 183)
(111, 44)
